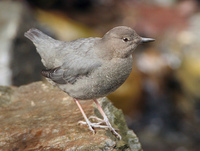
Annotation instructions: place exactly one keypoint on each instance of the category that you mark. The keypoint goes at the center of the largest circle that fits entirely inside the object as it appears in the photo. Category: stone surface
(40, 117)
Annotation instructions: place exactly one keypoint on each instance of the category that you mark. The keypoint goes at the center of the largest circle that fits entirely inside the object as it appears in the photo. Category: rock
(39, 116)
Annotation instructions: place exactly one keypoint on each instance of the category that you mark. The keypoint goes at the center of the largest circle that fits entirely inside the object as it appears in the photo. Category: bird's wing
(72, 70)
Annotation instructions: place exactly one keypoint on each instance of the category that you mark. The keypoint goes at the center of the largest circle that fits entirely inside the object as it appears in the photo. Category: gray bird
(88, 68)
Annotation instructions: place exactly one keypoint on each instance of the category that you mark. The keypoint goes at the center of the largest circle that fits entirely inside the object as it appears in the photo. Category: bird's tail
(36, 36)
(45, 45)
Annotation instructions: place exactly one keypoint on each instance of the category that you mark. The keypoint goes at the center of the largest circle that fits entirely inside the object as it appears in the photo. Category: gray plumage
(88, 68)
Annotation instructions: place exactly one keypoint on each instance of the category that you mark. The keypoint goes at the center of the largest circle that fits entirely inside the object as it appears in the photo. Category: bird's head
(123, 40)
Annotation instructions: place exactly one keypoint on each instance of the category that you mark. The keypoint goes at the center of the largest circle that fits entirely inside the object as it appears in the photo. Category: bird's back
(54, 52)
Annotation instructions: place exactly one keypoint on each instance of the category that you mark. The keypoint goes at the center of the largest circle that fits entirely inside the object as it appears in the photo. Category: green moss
(5, 96)
(129, 139)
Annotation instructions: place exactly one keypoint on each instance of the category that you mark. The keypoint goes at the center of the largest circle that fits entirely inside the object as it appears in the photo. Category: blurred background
(161, 98)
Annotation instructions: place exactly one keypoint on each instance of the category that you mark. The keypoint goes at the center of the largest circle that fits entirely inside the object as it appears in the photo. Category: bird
(88, 68)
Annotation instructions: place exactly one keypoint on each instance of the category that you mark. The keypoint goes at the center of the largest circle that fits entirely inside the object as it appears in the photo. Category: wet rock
(39, 116)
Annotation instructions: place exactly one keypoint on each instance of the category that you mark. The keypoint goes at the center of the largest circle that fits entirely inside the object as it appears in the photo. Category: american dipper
(88, 68)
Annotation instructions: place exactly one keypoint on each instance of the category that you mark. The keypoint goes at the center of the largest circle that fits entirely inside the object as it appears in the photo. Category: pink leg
(97, 125)
(85, 117)
(87, 122)
(105, 119)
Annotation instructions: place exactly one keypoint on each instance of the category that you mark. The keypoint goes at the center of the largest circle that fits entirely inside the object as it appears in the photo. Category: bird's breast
(102, 81)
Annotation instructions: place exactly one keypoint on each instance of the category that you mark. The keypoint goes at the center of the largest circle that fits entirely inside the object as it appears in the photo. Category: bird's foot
(99, 120)
(93, 125)
(99, 123)
(89, 124)
(108, 125)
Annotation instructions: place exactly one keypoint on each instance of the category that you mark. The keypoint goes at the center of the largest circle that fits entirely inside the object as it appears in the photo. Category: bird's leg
(87, 122)
(105, 119)
(97, 125)
(85, 117)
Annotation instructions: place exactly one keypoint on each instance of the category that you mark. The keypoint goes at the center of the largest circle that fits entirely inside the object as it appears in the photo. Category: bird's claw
(89, 125)
(116, 134)
(93, 125)
(100, 121)
(98, 125)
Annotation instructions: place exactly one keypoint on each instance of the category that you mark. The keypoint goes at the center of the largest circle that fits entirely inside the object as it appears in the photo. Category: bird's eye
(126, 39)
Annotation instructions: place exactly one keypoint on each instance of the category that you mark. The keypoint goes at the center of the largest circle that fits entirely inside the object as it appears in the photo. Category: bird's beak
(145, 40)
